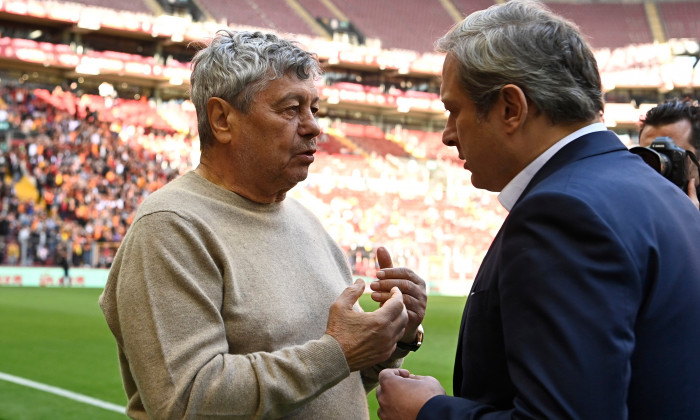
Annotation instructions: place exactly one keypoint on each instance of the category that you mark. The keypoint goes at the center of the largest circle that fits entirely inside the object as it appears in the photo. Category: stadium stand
(136, 6)
(328, 143)
(466, 7)
(318, 10)
(372, 140)
(426, 145)
(410, 25)
(80, 177)
(608, 25)
(272, 14)
(680, 19)
(77, 160)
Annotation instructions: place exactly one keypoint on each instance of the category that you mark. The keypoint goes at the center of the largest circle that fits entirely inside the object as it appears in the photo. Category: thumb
(395, 303)
(383, 258)
(352, 293)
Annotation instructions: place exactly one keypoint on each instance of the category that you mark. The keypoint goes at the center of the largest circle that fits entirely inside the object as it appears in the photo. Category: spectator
(62, 261)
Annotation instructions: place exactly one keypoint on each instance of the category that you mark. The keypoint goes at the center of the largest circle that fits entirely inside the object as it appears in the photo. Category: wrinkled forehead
(289, 86)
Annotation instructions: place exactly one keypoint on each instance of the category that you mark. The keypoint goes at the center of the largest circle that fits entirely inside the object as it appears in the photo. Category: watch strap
(415, 345)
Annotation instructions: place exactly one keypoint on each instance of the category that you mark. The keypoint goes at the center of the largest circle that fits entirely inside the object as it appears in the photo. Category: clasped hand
(369, 338)
(401, 394)
(411, 285)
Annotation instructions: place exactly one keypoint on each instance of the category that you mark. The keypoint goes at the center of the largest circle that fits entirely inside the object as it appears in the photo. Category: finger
(397, 273)
(352, 293)
(412, 292)
(386, 374)
(384, 258)
(408, 299)
(394, 306)
(380, 297)
(405, 284)
(692, 192)
(413, 298)
(396, 295)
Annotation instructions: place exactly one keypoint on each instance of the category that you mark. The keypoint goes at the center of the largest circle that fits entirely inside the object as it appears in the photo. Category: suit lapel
(585, 146)
(581, 148)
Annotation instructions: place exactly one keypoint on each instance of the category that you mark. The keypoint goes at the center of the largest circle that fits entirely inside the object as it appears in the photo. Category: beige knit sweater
(219, 307)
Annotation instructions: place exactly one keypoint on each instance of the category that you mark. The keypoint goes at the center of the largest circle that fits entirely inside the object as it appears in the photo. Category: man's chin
(298, 176)
(484, 184)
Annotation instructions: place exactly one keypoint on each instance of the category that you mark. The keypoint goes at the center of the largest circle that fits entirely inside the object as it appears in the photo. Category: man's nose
(309, 126)
(449, 134)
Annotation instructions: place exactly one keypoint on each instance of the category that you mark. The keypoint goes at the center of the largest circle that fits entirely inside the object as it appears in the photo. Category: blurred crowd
(428, 215)
(71, 183)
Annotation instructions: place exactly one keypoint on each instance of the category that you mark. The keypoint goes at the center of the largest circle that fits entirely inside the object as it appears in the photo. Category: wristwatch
(416, 343)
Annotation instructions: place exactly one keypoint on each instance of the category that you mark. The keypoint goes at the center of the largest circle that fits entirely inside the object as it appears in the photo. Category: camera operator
(679, 120)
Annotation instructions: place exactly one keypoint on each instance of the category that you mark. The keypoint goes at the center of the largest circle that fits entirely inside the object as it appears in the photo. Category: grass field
(58, 337)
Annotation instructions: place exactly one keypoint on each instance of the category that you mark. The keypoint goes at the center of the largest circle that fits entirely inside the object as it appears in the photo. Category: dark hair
(672, 111)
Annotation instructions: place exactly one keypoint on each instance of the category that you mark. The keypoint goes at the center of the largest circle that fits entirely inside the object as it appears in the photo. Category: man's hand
(693, 193)
(366, 338)
(410, 284)
(401, 395)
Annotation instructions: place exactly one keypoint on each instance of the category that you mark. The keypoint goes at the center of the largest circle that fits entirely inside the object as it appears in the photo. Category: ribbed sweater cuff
(329, 365)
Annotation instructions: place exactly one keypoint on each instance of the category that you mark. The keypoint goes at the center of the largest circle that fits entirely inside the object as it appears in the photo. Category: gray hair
(523, 43)
(235, 66)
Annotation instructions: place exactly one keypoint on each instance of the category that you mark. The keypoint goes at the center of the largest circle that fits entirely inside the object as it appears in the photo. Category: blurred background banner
(52, 277)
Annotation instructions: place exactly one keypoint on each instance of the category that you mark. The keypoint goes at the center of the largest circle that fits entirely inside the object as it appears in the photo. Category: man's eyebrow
(295, 96)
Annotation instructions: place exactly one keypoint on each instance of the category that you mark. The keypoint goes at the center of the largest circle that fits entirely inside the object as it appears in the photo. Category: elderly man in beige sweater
(228, 301)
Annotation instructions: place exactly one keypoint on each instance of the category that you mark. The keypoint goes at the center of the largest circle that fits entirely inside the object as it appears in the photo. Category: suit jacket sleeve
(569, 293)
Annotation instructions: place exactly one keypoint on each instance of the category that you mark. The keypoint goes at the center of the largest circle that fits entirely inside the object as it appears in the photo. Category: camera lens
(656, 160)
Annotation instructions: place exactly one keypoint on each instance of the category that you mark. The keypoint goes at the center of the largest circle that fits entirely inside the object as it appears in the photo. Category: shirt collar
(511, 192)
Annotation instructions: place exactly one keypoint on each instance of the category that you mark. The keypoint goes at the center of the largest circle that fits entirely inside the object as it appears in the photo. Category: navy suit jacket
(587, 304)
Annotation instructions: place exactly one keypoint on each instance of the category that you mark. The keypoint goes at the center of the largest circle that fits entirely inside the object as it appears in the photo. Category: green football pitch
(58, 360)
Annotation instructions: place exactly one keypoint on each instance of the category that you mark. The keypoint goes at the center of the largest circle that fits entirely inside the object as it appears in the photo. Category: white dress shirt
(511, 192)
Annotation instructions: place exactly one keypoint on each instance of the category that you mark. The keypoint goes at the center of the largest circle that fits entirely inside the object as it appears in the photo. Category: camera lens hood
(656, 160)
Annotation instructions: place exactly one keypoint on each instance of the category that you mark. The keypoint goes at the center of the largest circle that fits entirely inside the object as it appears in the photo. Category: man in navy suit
(587, 304)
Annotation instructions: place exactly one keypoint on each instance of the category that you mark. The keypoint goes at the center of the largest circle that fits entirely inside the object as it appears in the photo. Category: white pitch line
(63, 392)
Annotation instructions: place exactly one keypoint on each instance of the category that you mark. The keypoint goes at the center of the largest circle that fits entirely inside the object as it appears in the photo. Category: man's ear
(515, 107)
(220, 115)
